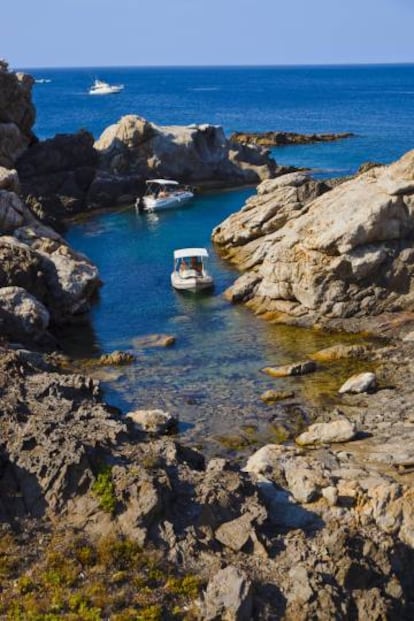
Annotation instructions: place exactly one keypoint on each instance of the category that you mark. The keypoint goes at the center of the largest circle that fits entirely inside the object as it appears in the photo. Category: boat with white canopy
(163, 194)
(103, 88)
(190, 270)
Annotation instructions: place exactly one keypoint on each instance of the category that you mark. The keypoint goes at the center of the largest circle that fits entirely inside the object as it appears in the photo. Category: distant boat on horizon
(103, 88)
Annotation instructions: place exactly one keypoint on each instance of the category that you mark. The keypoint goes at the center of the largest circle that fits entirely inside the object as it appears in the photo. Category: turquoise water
(212, 376)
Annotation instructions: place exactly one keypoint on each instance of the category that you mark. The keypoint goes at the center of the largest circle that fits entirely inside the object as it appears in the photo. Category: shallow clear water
(211, 377)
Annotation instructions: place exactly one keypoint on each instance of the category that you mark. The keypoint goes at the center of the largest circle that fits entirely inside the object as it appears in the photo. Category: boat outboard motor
(139, 204)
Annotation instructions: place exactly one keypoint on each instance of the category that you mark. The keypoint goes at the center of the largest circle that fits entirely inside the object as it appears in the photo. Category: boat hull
(192, 283)
(169, 202)
(109, 91)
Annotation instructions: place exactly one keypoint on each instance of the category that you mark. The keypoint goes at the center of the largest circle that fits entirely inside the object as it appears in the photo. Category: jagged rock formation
(308, 535)
(55, 175)
(17, 115)
(277, 139)
(41, 277)
(134, 148)
(346, 253)
(44, 460)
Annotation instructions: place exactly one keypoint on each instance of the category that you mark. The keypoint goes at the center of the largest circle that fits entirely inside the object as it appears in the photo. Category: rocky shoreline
(109, 516)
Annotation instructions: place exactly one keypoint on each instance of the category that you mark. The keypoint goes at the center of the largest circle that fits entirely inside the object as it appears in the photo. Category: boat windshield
(192, 263)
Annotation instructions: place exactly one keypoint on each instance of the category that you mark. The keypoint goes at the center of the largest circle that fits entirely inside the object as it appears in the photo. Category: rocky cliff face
(17, 115)
(346, 253)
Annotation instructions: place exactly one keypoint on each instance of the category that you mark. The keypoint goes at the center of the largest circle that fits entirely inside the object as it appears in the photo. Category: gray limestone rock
(340, 430)
(362, 382)
(154, 421)
(228, 596)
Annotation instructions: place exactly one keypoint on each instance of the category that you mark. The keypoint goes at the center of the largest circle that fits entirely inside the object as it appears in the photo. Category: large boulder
(17, 115)
(135, 149)
(346, 253)
(22, 316)
(71, 279)
(56, 174)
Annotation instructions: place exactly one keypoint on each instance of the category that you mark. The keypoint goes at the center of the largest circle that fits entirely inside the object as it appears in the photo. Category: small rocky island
(105, 514)
(279, 139)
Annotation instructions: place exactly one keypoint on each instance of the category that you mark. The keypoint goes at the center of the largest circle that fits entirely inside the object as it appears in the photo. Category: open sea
(212, 376)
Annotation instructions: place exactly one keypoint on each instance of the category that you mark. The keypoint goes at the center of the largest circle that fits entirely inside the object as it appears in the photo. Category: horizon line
(223, 66)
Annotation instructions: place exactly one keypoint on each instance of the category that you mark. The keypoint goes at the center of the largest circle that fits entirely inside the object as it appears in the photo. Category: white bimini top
(162, 181)
(190, 252)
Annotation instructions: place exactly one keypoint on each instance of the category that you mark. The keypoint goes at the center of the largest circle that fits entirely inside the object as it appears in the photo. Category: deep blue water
(212, 376)
(374, 102)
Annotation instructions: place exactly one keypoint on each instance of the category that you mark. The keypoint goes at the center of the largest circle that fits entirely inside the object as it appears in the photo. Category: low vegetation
(79, 580)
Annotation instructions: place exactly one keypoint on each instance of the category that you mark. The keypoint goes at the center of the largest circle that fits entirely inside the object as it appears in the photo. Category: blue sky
(57, 33)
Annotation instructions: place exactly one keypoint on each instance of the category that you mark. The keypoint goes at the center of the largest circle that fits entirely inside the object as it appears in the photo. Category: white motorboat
(103, 88)
(190, 271)
(163, 194)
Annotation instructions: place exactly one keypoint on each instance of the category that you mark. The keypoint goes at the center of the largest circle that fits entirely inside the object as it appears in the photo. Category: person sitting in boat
(183, 265)
(196, 265)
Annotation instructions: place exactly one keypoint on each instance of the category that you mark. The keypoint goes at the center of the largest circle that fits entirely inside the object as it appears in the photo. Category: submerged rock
(116, 358)
(153, 340)
(298, 368)
(270, 396)
(339, 352)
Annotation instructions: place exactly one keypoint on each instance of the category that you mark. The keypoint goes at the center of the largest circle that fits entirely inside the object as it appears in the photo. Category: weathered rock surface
(9, 180)
(347, 253)
(17, 115)
(116, 358)
(44, 447)
(341, 430)
(228, 596)
(301, 532)
(37, 259)
(297, 368)
(56, 174)
(362, 382)
(22, 316)
(201, 154)
(275, 139)
(154, 421)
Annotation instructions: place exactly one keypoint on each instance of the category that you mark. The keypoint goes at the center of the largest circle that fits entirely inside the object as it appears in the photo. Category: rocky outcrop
(135, 149)
(56, 174)
(44, 451)
(17, 115)
(346, 253)
(47, 273)
(277, 139)
(297, 533)
(22, 316)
